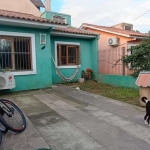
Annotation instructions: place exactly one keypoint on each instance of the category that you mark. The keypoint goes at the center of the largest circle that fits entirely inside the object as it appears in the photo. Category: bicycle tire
(14, 109)
(3, 128)
(0, 137)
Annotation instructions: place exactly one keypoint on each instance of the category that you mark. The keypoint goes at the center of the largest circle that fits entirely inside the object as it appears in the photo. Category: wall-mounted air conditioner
(7, 81)
(114, 41)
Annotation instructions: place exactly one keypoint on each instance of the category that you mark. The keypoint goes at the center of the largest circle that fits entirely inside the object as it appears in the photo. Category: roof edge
(72, 34)
(41, 3)
(125, 35)
(55, 12)
(105, 30)
(96, 34)
(24, 16)
(26, 23)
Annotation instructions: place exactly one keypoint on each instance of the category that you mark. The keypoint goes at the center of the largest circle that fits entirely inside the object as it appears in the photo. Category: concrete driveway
(64, 118)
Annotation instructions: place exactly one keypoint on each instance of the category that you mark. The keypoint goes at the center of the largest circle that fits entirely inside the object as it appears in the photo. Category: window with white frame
(130, 46)
(68, 54)
(16, 53)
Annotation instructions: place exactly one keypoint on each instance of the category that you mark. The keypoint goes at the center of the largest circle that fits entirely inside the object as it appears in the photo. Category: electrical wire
(109, 62)
(141, 15)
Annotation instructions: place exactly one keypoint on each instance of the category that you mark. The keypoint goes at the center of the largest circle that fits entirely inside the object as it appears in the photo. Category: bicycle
(11, 118)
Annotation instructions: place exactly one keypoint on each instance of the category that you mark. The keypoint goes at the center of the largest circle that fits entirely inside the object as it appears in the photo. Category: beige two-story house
(22, 6)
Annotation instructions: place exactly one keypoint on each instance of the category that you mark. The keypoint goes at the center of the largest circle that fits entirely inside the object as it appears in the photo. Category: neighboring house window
(128, 28)
(68, 54)
(17, 54)
(130, 53)
(59, 19)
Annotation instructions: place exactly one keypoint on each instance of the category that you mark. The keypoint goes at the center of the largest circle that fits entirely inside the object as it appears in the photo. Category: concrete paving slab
(70, 100)
(30, 139)
(60, 133)
(139, 131)
(20, 94)
(121, 109)
(65, 136)
(106, 133)
(70, 119)
(31, 106)
(44, 119)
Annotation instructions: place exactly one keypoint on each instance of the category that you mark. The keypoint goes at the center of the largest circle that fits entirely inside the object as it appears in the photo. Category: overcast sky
(106, 12)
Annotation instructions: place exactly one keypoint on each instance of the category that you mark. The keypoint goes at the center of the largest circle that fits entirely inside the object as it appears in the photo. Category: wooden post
(123, 64)
(60, 57)
(13, 54)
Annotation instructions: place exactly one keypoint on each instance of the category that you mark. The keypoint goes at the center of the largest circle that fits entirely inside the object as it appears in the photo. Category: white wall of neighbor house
(23, 6)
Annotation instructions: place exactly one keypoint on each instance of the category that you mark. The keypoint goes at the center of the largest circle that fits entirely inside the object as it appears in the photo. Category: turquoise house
(33, 47)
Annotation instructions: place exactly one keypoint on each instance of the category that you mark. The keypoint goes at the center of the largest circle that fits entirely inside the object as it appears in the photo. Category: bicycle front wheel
(12, 117)
(0, 137)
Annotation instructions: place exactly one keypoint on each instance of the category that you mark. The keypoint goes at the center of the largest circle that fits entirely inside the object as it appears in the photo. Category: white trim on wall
(69, 43)
(129, 46)
(32, 36)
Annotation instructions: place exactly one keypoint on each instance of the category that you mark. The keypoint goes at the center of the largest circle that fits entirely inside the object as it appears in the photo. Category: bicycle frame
(6, 110)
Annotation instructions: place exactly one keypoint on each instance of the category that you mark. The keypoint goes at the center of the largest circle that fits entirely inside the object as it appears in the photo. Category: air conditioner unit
(114, 41)
(7, 81)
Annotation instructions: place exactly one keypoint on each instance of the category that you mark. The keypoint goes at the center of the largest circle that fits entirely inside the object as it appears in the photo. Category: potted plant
(89, 74)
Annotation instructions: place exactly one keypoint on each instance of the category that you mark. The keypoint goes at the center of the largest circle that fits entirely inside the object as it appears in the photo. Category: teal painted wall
(88, 50)
(46, 73)
(49, 15)
(43, 78)
(94, 57)
(121, 81)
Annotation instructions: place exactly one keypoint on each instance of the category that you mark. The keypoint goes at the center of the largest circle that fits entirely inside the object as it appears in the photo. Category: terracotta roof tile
(116, 30)
(23, 16)
(140, 79)
(37, 3)
(74, 31)
(143, 80)
(30, 17)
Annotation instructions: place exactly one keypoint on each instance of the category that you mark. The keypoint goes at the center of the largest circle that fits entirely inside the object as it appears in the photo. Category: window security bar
(15, 53)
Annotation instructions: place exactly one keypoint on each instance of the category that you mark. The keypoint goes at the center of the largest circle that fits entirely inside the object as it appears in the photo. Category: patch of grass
(127, 95)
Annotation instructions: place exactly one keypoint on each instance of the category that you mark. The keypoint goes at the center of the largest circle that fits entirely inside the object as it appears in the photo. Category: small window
(42, 39)
(68, 55)
(15, 53)
(59, 19)
(130, 46)
(128, 28)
